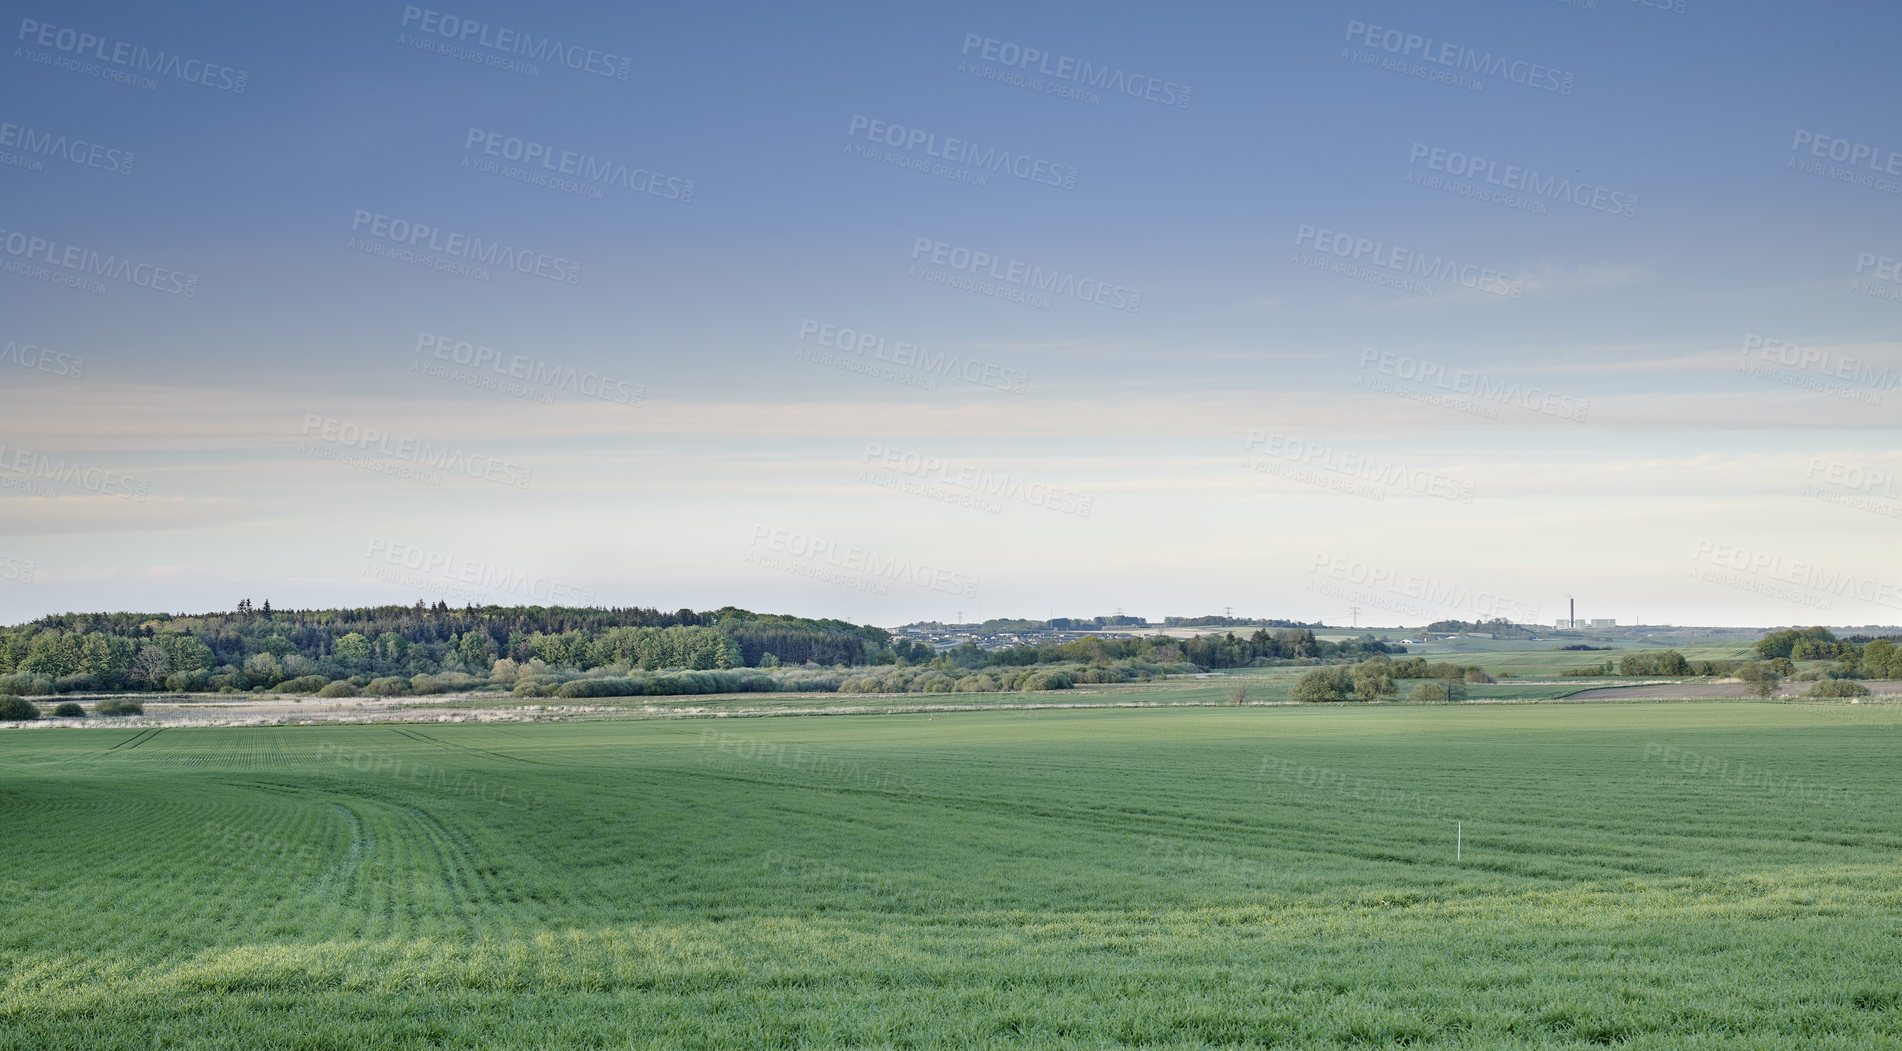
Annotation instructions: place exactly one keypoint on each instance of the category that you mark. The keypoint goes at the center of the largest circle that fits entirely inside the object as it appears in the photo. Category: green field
(1650, 875)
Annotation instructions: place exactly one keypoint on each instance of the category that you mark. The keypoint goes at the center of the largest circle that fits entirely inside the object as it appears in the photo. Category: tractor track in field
(134, 740)
(470, 883)
(336, 879)
(452, 854)
(459, 862)
(419, 736)
(93, 757)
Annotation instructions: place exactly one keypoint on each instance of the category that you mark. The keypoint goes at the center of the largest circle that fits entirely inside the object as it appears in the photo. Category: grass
(1711, 875)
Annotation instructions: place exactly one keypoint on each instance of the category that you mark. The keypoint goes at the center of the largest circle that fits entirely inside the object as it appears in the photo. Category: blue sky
(1675, 395)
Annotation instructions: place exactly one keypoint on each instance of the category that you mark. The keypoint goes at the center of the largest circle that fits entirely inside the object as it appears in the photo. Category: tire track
(416, 735)
(362, 841)
(148, 730)
(457, 861)
(443, 848)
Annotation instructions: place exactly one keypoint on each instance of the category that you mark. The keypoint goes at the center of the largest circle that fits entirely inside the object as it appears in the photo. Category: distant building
(1561, 623)
(1604, 622)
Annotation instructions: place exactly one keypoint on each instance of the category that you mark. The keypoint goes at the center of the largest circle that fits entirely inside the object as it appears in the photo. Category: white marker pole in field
(1459, 839)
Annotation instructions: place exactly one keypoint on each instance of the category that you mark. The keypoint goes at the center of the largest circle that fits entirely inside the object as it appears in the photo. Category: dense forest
(561, 651)
(304, 650)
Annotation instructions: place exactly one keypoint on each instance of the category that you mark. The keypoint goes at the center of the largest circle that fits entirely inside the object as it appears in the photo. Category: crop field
(1724, 874)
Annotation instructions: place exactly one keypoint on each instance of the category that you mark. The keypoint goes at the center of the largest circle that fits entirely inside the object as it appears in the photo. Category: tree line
(1228, 650)
(302, 650)
(1856, 657)
(1378, 678)
(535, 650)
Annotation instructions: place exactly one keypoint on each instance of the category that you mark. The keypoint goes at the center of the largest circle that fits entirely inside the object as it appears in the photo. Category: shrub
(12, 707)
(387, 686)
(68, 710)
(600, 688)
(1372, 681)
(1837, 688)
(80, 683)
(1667, 662)
(17, 708)
(934, 682)
(118, 706)
(338, 689)
(303, 684)
(1762, 681)
(1428, 693)
(1323, 684)
(25, 682)
(1046, 680)
(187, 681)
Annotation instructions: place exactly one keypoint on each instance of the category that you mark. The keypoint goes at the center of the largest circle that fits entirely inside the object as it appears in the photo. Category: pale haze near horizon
(1670, 394)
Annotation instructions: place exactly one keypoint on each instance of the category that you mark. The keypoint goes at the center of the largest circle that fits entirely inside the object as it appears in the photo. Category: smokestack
(1571, 616)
